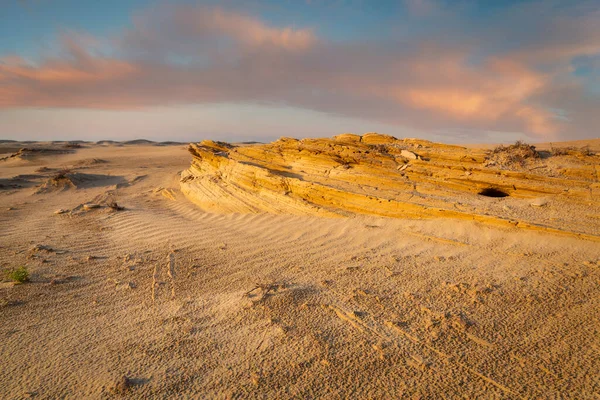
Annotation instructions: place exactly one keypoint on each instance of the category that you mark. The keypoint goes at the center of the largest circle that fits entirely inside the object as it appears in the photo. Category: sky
(460, 71)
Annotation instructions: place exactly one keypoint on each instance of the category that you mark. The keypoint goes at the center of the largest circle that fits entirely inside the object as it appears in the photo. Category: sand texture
(323, 268)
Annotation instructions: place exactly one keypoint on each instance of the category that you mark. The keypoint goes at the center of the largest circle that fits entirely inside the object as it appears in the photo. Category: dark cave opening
(493, 192)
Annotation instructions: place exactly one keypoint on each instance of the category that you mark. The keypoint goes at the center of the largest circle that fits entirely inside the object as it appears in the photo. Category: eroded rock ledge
(409, 178)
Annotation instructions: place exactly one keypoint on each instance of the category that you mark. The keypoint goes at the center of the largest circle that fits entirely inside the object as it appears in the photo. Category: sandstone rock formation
(409, 178)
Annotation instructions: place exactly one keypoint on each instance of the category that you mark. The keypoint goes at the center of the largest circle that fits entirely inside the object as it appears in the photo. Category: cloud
(254, 33)
(56, 72)
(212, 30)
(175, 55)
(495, 91)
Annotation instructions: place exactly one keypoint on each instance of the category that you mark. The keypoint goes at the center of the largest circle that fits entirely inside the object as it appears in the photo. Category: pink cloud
(57, 72)
(255, 33)
(184, 24)
(192, 55)
(501, 90)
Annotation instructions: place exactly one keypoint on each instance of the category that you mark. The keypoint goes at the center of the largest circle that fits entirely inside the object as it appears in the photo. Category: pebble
(539, 202)
(408, 154)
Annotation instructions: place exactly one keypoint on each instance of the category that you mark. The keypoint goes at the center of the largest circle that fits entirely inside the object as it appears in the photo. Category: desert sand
(299, 269)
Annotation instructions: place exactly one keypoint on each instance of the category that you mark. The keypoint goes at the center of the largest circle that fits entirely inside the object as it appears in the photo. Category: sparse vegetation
(380, 148)
(18, 275)
(60, 176)
(571, 150)
(517, 153)
(520, 149)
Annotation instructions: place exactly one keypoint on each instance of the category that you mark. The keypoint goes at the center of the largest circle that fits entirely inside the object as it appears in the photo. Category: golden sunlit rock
(380, 175)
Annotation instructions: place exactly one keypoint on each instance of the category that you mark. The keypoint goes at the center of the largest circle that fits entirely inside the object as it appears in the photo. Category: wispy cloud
(194, 55)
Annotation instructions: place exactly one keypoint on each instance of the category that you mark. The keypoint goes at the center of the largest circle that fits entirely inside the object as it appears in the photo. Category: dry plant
(380, 148)
(265, 290)
(61, 176)
(515, 154)
(571, 150)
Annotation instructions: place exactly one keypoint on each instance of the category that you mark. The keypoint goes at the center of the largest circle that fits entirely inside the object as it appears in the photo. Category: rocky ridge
(380, 175)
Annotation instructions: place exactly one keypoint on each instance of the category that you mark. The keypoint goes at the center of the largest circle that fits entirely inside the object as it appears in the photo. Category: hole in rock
(493, 192)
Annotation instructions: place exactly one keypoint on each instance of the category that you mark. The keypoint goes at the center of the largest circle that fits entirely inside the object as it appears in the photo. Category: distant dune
(171, 143)
(139, 142)
(103, 142)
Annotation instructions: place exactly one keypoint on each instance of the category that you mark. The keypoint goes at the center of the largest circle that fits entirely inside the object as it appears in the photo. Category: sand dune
(166, 299)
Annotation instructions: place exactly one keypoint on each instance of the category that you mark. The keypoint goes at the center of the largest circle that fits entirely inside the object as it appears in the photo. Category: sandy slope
(266, 306)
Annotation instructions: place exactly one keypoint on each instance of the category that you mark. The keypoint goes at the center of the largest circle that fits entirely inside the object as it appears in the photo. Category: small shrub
(571, 150)
(380, 148)
(520, 149)
(559, 151)
(61, 175)
(516, 153)
(19, 275)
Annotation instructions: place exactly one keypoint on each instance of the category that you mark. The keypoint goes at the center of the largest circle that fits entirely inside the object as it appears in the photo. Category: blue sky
(460, 71)
(28, 26)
